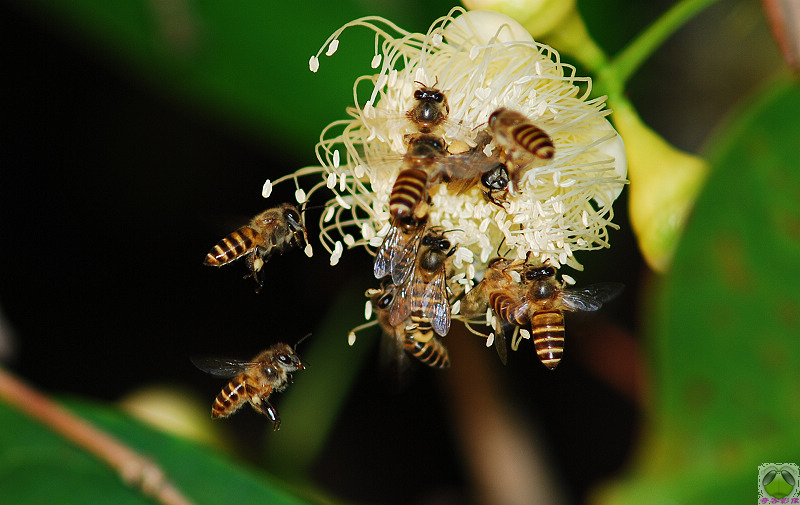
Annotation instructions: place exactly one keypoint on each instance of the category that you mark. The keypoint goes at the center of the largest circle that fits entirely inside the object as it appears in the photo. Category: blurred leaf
(32, 456)
(726, 323)
(246, 61)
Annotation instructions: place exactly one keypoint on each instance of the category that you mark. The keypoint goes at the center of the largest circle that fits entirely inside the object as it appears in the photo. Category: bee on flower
(530, 166)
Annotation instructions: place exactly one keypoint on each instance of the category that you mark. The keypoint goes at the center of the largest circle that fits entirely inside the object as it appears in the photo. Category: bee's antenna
(501, 245)
(305, 207)
(302, 339)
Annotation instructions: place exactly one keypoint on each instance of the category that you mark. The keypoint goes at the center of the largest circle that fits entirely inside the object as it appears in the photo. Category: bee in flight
(273, 231)
(414, 338)
(253, 381)
(523, 141)
(423, 297)
(522, 294)
(431, 108)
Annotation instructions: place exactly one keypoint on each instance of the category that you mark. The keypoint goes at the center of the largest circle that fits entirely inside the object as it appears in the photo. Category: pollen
(266, 190)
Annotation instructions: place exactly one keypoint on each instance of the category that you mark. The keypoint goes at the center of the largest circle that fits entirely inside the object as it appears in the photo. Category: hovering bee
(253, 381)
(423, 297)
(536, 299)
(523, 141)
(431, 108)
(273, 231)
(414, 338)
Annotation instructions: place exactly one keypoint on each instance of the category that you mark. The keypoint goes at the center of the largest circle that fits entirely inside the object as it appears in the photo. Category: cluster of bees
(413, 301)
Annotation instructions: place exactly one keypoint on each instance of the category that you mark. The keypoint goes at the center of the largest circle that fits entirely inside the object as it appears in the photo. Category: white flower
(481, 61)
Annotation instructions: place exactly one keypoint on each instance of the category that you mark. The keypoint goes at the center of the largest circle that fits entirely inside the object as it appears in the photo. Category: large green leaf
(245, 61)
(726, 351)
(39, 467)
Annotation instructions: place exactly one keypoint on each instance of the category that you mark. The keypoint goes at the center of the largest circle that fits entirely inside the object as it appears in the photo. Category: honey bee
(395, 257)
(464, 170)
(523, 141)
(414, 338)
(497, 290)
(423, 297)
(254, 380)
(273, 231)
(521, 294)
(431, 108)
(495, 184)
(408, 206)
(410, 191)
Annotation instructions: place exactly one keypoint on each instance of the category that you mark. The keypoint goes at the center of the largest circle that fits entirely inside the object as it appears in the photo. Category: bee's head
(539, 273)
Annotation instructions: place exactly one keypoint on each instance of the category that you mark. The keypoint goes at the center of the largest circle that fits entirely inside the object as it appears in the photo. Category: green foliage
(246, 62)
(726, 318)
(39, 467)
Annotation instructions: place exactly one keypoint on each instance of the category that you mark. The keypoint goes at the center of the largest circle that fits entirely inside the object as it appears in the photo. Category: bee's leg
(255, 262)
(266, 408)
(503, 330)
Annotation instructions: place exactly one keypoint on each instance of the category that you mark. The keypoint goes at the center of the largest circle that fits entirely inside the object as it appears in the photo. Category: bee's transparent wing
(222, 367)
(400, 309)
(475, 302)
(434, 303)
(591, 297)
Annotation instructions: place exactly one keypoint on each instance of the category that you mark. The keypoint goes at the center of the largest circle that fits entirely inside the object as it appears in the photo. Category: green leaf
(245, 61)
(39, 467)
(725, 336)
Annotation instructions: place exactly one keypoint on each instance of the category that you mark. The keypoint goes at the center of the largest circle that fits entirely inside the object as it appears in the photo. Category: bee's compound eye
(438, 97)
(548, 271)
(444, 245)
(292, 215)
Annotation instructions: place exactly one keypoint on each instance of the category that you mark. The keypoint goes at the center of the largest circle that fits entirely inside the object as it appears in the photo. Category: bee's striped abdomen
(534, 140)
(232, 396)
(410, 188)
(426, 347)
(547, 330)
(233, 246)
(507, 308)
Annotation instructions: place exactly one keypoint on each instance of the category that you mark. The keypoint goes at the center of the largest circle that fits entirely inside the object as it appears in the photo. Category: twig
(136, 470)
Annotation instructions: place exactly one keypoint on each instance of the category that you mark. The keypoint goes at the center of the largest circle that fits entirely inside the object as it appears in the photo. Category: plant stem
(630, 59)
(135, 469)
